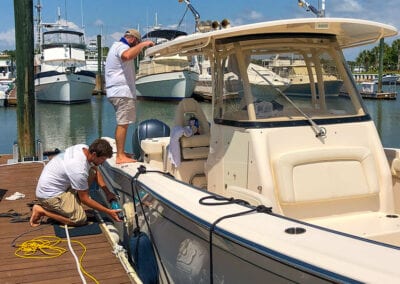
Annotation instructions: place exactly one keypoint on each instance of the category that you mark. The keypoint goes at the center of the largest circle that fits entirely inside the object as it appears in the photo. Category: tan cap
(133, 32)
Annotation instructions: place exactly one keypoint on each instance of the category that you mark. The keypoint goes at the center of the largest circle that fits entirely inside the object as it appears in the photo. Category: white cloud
(7, 39)
(348, 6)
(251, 17)
(98, 23)
(254, 15)
(116, 35)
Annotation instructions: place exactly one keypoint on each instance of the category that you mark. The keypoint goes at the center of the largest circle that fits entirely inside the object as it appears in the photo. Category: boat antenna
(320, 132)
(38, 20)
(83, 22)
(194, 12)
(65, 7)
(320, 13)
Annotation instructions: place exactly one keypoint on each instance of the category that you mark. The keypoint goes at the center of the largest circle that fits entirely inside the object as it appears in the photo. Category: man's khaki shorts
(66, 204)
(125, 110)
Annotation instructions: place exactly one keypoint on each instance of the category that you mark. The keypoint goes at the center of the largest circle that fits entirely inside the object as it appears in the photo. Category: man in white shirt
(64, 184)
(120, 84)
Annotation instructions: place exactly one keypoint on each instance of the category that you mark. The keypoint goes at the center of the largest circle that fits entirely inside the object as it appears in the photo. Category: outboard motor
(150, 128)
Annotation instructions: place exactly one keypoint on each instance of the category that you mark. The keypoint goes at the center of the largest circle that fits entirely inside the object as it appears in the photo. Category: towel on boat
(174, 151)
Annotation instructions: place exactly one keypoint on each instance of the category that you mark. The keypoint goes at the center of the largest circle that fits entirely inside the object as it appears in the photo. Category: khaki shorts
(66, 204)
(125, 110)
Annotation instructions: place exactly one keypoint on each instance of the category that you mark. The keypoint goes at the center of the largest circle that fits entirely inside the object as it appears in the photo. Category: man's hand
(115, 213)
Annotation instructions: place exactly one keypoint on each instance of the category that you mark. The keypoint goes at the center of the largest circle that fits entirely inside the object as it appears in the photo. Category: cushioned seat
(195, 141)
(196, 146)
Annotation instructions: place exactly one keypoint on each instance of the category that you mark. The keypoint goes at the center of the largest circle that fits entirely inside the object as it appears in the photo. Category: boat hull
(167, 86)
(331, 88)
(64, 88)
(182, 239)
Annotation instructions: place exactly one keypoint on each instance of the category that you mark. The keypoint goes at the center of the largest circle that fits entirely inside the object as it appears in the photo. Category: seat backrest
(326, 181)
(187, 108)
(150, 128)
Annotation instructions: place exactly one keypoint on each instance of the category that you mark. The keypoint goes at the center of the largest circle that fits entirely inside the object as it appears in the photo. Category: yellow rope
(47, 245)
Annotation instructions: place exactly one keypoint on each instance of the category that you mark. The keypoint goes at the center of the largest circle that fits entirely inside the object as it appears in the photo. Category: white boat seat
(196, 146)
(326, 181)
(195, 141)
(195, 153)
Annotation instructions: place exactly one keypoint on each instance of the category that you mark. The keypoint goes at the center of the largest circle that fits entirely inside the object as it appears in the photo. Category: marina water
(59, 126)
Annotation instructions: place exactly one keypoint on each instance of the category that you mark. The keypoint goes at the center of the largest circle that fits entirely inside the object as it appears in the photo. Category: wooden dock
(379, 96)
(99, 260)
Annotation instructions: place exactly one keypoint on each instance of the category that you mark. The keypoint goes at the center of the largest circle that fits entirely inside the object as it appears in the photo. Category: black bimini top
(167, 34)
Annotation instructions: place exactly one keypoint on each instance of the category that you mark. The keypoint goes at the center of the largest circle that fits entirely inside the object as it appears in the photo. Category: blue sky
(112, 17)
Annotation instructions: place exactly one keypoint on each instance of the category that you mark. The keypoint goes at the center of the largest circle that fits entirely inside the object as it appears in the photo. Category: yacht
(61, 73)
(296, 69)
(169, 77)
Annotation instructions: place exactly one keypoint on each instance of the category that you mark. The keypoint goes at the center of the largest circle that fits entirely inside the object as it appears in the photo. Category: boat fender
(191, 262)
(142, 255)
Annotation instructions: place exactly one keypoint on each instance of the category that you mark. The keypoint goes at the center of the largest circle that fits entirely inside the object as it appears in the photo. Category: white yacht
(92, 57)
(61, 73)
(300, 71)
(6, 69)
(169, 77)
(7, 78)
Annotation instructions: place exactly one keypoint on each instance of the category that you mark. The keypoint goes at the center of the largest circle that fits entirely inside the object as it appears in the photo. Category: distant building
(358, 69)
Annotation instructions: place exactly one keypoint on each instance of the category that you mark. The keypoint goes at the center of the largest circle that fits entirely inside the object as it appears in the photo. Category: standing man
(120, 84)
(64, 185)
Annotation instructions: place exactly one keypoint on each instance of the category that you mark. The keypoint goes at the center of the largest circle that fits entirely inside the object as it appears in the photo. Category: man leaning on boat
(64, 184)
(120, 84)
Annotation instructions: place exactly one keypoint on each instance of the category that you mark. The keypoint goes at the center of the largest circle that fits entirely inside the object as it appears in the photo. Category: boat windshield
(60, 38)
(283, 77)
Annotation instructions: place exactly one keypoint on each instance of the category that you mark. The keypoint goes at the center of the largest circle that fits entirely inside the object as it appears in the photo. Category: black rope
(142, 170)
(27, 232)
(225, 201)
(222, 200)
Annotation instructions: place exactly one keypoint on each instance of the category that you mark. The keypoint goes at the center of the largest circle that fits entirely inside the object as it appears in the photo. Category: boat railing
(72, 45)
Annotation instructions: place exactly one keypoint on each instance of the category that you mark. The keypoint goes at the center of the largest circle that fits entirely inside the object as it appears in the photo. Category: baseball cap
(133, 32)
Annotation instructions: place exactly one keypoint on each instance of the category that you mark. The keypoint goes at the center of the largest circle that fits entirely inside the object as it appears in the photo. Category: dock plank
(99, 261)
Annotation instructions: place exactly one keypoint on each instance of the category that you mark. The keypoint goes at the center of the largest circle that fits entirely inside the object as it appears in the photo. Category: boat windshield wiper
(319, 131)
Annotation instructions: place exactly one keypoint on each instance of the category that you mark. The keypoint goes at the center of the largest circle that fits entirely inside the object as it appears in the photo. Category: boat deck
(99, 261)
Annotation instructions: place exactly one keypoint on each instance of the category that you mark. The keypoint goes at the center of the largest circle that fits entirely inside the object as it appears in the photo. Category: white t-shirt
(67, 169)
(119, 75)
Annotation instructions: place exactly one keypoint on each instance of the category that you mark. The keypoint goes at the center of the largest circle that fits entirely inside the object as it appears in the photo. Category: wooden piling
(99, 77)
(23, 14)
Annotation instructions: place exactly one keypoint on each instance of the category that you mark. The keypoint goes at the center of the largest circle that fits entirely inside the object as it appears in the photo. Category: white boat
(6, 69)
(166, 78)
(297, 70)
(7, 78)
(369, 90)
(388, 79)
(276, 189)
(3, 97)
(92, 57)
(62, 75)
(261, 79)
